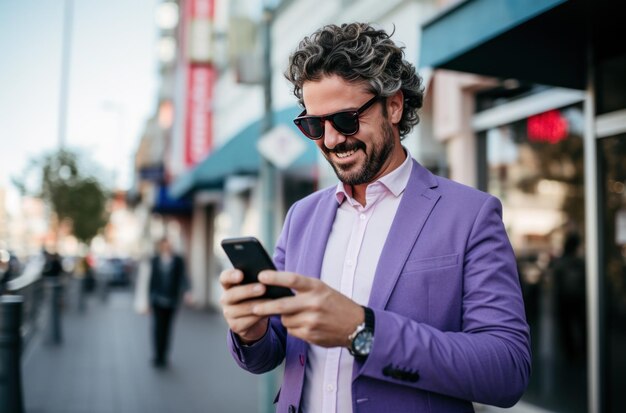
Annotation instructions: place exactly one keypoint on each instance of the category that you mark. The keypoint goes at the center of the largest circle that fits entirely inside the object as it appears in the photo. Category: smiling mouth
(346, 149)
(345, 154)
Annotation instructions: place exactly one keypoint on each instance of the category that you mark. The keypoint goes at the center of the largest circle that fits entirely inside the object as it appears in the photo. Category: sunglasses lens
(346, 123)
(313, 127)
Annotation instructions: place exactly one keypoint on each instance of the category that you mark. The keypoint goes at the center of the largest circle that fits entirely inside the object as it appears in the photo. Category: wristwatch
(362, 339)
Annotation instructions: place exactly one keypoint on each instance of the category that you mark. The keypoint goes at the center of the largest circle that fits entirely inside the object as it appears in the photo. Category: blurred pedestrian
(168, 282)
(407, 296)
(52, 268)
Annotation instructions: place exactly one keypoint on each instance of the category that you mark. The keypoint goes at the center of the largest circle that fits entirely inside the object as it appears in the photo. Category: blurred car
(115, 271)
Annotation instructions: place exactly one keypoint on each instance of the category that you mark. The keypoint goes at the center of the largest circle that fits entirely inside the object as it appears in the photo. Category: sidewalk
(103, 365)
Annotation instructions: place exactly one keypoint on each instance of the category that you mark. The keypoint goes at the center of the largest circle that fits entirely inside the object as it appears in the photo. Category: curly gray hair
(357, 52)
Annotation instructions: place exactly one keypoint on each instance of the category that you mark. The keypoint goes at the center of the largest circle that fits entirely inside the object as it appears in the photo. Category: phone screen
(248, 255)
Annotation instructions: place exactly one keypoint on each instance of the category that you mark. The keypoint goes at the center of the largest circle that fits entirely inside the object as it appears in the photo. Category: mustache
(346, 147)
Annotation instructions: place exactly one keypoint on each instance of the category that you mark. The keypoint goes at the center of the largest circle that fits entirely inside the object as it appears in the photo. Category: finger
(244, 309)
(279, 306)
(287, 279)
(230, 277)
(295, 321)
(238, 293)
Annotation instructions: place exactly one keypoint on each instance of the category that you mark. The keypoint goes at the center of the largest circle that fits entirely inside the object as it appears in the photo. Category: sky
(113, 79)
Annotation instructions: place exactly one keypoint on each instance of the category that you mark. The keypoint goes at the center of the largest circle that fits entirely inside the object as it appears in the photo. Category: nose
(331, 136)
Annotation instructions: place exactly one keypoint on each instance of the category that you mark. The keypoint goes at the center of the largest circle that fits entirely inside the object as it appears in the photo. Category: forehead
(332, 93)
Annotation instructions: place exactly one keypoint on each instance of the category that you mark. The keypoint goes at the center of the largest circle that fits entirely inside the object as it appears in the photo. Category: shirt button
(330, 388)
(362, 216)
(349, 262)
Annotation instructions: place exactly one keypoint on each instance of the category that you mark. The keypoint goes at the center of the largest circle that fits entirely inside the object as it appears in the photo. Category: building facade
(546, 131)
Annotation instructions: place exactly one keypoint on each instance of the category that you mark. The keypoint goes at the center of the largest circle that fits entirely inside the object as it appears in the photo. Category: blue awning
(239, 156)
(165, 204)
(541, 41)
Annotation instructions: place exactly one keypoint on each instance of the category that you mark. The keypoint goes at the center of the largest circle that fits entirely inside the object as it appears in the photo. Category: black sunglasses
(345, 122)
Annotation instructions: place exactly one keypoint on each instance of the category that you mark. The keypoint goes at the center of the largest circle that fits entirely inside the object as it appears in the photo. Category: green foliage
(72, 194)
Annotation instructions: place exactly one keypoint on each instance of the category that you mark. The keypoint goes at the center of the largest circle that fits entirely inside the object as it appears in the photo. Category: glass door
(612, 156)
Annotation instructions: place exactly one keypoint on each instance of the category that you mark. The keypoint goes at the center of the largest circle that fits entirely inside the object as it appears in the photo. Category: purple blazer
(450, 323)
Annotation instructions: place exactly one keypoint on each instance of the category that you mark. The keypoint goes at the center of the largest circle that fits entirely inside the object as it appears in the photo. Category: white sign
(281, 146)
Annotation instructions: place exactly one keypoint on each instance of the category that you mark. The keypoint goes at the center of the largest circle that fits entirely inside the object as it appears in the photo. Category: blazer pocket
(431, 263)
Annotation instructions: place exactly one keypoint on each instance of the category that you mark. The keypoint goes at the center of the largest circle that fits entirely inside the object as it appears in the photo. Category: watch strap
(369, 318)
(366, 327)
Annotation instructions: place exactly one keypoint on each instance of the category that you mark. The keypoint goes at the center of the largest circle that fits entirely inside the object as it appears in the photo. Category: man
(407, 297)
(167, 283)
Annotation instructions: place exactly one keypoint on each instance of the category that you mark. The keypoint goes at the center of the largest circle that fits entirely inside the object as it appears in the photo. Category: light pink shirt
(350, 260)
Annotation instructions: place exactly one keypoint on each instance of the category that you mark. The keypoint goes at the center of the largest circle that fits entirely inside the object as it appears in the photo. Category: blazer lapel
(416, 205)
(317, 235)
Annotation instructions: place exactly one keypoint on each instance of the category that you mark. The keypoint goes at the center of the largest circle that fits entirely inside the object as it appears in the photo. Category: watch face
(362, 344)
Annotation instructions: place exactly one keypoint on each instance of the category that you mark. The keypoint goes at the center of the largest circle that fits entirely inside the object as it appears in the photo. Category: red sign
(201, 76)
(549, 127)
(199, 113)
(202, 9)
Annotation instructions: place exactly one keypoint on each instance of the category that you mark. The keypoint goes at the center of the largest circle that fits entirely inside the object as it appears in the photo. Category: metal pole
(11, 399)
(268, 171)
(269, 178)
(592, 223)
(55, 288)
(65, 71)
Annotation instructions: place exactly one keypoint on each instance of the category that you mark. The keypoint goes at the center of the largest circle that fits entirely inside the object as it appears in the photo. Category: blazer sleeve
(488, 361)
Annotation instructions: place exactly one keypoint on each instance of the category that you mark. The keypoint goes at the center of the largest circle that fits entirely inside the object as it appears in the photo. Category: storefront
(550, 142)
(534, 163)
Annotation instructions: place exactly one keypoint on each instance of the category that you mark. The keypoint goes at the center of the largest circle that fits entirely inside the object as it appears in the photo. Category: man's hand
(237, 303)
(317, 313)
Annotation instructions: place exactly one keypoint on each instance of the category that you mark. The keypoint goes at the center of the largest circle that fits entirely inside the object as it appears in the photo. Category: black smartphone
(248, 255)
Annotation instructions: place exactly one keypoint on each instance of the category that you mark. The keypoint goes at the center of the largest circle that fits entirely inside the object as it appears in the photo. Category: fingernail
(257, 288)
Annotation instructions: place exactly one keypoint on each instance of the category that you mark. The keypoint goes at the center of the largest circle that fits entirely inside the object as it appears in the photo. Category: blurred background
(125, 122)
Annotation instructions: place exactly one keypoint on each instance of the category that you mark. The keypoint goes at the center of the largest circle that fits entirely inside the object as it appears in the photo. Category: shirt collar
(395, 181)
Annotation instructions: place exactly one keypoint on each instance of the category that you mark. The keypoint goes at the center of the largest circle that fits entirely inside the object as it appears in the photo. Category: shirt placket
(333, 356)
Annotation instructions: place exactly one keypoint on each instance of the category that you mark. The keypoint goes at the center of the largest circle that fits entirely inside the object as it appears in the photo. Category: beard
(374, 161)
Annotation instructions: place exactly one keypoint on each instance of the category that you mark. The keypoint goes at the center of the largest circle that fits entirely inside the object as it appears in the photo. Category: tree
(73, 196)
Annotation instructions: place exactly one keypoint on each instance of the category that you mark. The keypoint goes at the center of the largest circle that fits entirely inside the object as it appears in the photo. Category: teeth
(345, 154)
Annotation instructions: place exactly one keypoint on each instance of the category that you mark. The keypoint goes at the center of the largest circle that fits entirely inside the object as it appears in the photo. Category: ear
(395, 106)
